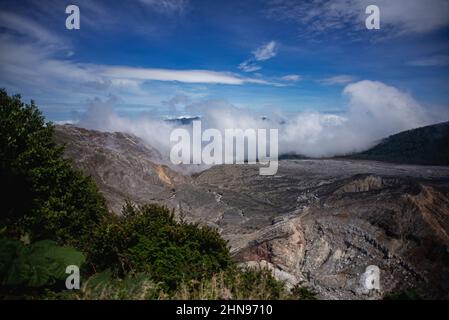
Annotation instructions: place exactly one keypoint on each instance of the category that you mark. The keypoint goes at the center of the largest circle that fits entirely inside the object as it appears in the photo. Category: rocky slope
(122, 165)
(320, 222)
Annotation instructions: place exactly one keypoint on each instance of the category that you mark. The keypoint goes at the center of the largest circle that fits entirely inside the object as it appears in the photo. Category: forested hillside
(427, 146)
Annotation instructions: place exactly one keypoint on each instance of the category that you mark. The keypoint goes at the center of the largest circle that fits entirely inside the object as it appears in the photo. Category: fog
(373, 111)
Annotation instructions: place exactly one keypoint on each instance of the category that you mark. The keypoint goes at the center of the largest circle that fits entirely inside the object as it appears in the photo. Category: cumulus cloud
(374, 111)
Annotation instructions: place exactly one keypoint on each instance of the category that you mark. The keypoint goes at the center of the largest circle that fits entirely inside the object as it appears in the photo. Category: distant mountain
(183, 120)
(292, 156)
(426, 146)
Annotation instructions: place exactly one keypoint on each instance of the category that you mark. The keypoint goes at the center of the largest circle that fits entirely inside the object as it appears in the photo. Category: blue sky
(160, 56)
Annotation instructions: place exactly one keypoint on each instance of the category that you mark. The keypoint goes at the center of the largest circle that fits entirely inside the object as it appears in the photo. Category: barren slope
(317, 221)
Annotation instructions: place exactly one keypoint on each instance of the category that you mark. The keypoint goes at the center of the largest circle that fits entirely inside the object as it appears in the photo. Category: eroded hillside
(321, 222)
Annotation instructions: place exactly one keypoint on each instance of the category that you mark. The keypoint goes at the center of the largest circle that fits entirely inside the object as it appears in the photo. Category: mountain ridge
(427, 145)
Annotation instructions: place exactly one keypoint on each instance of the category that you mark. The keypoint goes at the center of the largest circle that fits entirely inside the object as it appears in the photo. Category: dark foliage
(425, 146)
(35, 265)
(149, 239)
(42, 195)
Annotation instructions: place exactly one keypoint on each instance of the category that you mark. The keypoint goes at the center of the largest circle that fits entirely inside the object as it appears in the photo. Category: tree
(43, 196)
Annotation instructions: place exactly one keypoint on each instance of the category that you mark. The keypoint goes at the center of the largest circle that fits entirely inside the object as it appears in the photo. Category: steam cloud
(374, 111)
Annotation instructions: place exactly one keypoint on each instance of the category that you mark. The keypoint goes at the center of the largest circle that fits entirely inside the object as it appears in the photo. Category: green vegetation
(35, 265)
(54, 216)
(426, 146)
(42, 195)
(149, 239)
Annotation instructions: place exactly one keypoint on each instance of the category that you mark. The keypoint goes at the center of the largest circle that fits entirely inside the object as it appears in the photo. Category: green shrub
(149, 239)
(56, 201)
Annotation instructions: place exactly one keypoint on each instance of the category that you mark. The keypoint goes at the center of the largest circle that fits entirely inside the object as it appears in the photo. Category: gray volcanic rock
(319, 222)
(122, 165)
(330, 220)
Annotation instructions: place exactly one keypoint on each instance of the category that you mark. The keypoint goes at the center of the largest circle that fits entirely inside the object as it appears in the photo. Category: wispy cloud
(265, 52)
(398, 17)
(35, 60)
(167, 6)
(185, 76)
(28, 29)
(291, 77)
(248, 66)
(262, 53)
(341, 79)
(432, 61)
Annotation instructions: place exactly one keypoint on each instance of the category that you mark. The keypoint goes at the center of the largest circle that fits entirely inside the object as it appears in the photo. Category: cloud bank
(374, 111)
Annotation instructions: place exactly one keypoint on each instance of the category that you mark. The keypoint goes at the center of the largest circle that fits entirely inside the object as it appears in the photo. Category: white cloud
(34, 58)
(27, 28)
(21, 62)
(337, 80)
(186, 76)
(265, 52)
(374, 111)
(414, 16)
(101, 116)
(398, 17)
(262, 53)
(63, 122)
(291, 77)
(248, 66)
(386, 105)
(432, 61)
(173, 103)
